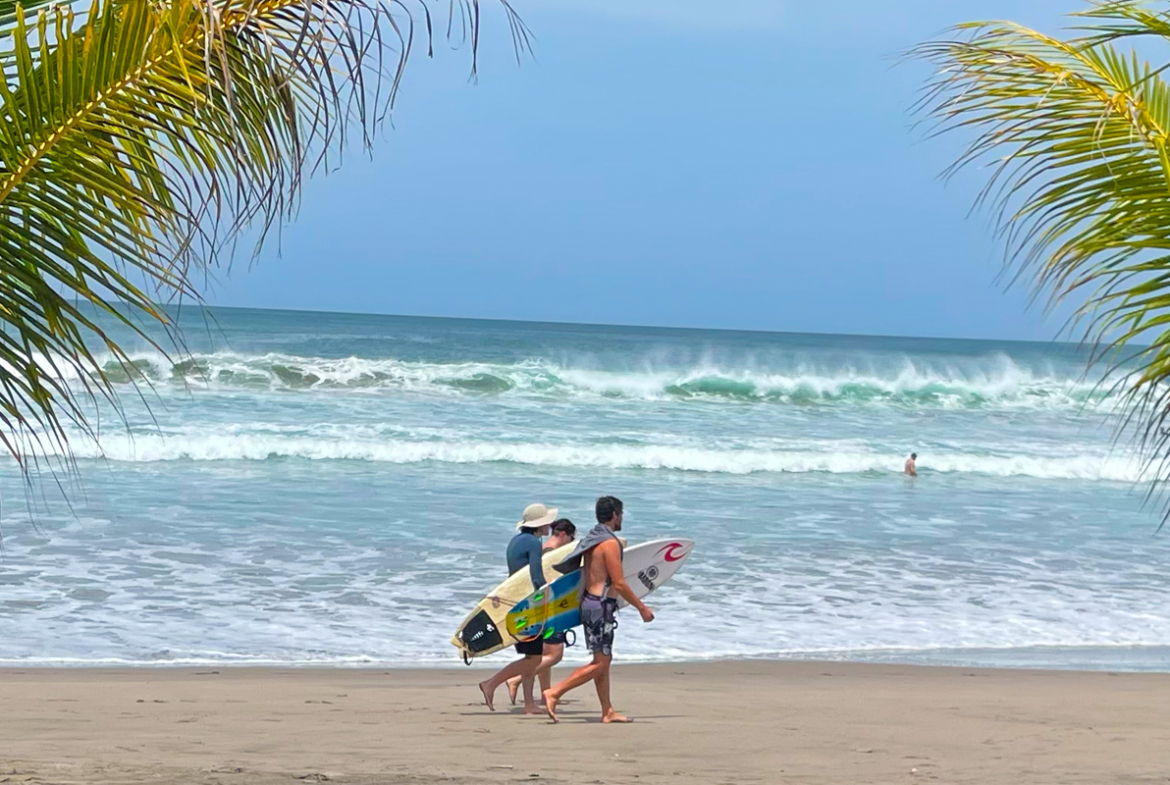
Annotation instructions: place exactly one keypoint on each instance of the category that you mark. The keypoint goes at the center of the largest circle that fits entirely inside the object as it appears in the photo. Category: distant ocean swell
(1000, 383)
(847, 458)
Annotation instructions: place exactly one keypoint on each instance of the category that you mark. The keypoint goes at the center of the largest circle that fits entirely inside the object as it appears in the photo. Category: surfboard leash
(540, 632)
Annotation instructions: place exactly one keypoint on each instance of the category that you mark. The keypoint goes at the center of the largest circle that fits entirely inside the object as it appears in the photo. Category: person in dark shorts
(563, 533)
(598, 623)
(524, 552)
(601, 554)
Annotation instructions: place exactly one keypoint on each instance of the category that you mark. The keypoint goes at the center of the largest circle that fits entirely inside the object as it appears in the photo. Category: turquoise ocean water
(314, 488)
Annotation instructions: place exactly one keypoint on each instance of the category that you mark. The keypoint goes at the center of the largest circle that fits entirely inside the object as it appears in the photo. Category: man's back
(598, 566)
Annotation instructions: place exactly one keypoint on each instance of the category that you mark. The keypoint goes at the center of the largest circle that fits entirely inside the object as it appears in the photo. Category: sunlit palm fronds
(136, 138)
(1076, 133)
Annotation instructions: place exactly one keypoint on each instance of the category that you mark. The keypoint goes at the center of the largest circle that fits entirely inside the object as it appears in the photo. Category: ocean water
(306, 488)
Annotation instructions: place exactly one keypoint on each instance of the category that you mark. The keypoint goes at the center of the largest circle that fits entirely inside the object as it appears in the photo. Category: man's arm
(535, 569)
(610, 553)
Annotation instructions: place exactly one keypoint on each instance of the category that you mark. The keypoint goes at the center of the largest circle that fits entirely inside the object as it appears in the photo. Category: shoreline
(1010, 661)
(728, 721)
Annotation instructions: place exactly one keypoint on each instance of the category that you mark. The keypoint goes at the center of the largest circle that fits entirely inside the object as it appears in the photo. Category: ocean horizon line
(1054, 342)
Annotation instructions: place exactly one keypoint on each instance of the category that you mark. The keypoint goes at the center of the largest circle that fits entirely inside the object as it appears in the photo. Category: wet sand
(735, 722)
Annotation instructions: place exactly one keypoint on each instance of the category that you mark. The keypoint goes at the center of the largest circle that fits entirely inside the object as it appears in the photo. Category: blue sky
(666, 163)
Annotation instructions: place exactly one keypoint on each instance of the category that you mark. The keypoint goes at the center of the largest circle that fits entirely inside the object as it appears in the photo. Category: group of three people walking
(599, 555)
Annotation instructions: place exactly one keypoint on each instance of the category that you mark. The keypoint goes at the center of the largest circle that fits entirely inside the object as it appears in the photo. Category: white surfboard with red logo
(556, 608)
(648, 565)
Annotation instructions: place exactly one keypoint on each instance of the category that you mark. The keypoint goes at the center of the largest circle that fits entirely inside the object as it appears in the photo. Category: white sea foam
(845, 458)
(289, 595)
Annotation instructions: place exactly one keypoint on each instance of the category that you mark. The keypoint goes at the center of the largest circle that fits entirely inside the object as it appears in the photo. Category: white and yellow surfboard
(482, 631)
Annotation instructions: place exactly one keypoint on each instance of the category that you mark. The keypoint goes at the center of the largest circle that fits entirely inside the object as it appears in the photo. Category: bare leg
(529, 701)
(513, 686)
(602, 684)
(575, 680)
(545, 684)
(553, 653)
(520, 667)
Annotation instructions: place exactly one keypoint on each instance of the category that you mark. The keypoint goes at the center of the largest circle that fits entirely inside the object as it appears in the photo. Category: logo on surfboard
(670, 552)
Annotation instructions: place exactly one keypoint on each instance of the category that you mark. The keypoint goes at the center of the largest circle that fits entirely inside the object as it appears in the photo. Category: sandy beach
(732, 722)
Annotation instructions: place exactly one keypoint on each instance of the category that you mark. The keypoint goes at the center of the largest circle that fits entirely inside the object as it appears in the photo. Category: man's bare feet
(533, 709)
(550, 705)
(613, 716)
(513, 688)
(487, 696)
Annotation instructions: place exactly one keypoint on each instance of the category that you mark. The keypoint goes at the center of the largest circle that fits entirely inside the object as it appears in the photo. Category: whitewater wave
(1001, 384)
(150, 448)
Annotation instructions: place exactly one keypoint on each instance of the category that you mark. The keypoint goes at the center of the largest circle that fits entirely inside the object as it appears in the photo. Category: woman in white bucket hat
(524, 551)
(537, 516)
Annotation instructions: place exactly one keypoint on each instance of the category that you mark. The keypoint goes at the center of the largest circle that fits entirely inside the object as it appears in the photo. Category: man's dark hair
(914, 456)
(564, 526)
(607, 508)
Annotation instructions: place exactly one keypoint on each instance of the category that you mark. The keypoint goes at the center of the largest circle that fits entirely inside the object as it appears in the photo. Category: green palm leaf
(1077, 136)
(135, 140)
(10, 10)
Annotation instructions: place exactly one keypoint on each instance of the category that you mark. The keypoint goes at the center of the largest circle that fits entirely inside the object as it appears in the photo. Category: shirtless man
(602, 555)
(911, 468)
(563, 533)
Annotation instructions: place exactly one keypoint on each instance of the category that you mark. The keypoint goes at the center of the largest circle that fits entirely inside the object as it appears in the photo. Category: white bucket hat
(537, 515)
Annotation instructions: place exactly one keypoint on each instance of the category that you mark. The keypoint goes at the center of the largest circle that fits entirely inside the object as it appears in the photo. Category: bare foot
(613, 716)
(487, 696)
(550, 705)
(532, 709)
(513, 688)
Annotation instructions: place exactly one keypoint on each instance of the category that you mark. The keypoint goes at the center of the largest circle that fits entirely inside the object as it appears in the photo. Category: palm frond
(1113, 20)
(1076, 134)
(11, 10)
(136, 140)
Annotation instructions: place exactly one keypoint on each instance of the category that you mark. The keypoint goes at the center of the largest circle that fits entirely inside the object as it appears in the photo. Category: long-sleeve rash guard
(524, 550)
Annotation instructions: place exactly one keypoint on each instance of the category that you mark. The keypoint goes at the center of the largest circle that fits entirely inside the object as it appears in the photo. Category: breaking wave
(998, 384)
(269, 446)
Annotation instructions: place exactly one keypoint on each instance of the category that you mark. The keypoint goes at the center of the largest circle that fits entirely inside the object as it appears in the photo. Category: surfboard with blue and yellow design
(556, 607)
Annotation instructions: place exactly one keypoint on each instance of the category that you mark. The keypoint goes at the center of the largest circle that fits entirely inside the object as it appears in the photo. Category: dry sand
(740, 722)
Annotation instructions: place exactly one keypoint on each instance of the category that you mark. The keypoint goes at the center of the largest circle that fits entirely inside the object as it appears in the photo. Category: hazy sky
(663, 162)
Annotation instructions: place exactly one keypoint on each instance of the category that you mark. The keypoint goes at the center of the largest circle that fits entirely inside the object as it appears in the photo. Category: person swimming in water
(911, 467)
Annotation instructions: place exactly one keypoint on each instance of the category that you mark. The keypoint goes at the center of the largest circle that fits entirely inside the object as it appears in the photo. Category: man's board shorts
(556, 639)
(529, 648)
(598, 622)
